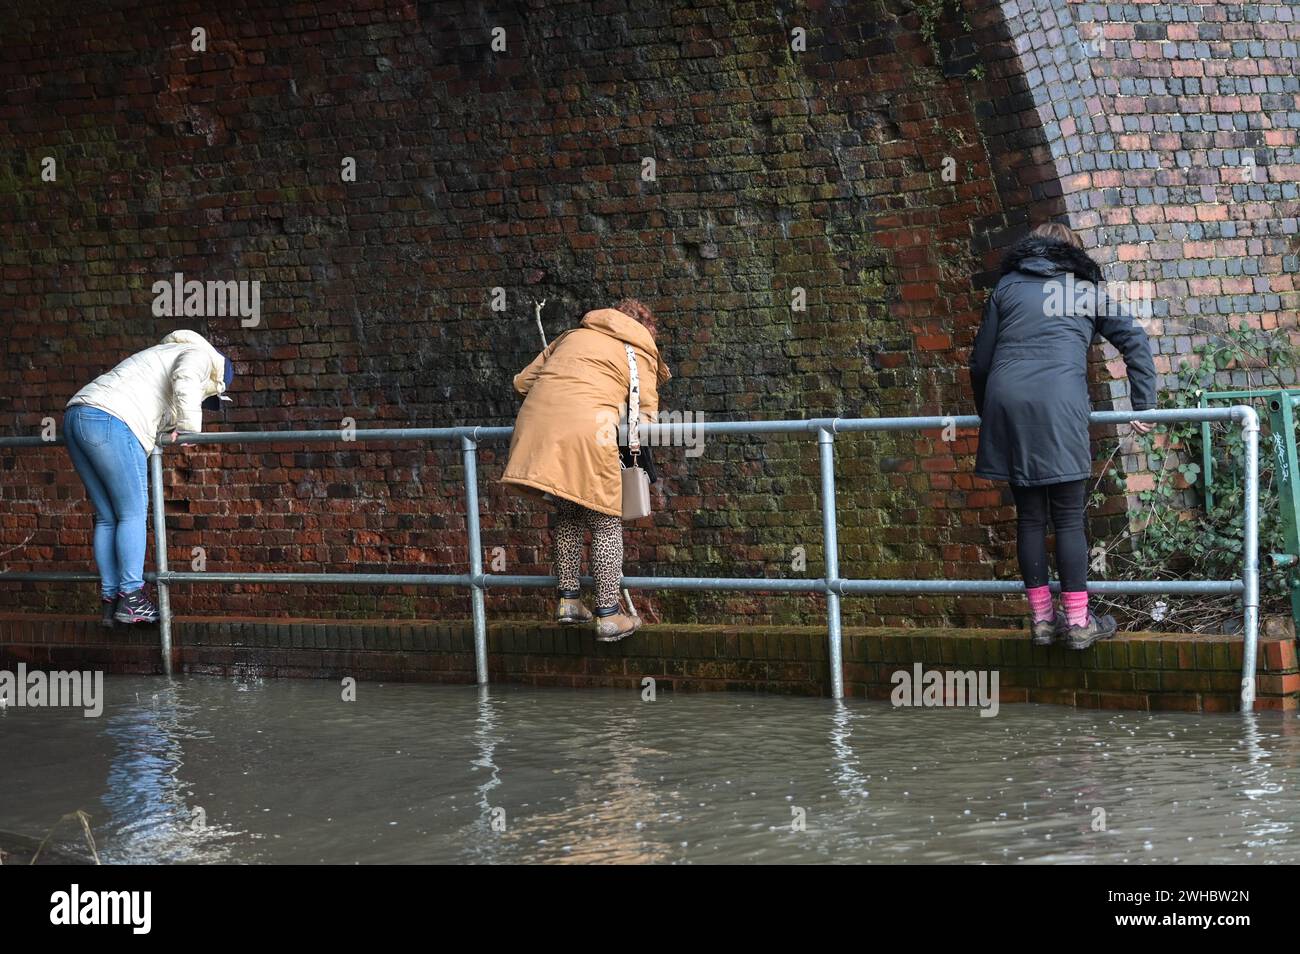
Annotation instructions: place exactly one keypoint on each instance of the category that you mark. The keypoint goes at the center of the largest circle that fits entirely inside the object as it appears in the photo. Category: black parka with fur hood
(1029, 365)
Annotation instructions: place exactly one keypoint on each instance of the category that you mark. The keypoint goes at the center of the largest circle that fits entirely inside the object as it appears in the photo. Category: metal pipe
(469, 451)
(22, 577)
(160, 559)
(656, 431)
(844, 587)
(831, 584)
(759, 585)
(361, 579)
(31, 442)
(831, 546)
(1250, 556)
(337, 436)
(988, 587)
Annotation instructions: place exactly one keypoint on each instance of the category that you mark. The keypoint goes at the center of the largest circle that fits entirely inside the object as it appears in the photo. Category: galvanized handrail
(831, 585)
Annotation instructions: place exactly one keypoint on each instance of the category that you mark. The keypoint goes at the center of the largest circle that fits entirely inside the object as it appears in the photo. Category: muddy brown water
(266, 771)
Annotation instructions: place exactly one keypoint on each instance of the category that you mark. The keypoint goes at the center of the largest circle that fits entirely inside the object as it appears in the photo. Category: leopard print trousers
(606, 550)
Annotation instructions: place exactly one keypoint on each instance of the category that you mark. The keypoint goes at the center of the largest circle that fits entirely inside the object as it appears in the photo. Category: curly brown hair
(635, 309)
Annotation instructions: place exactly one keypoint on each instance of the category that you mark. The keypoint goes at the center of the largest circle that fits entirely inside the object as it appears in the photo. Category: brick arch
(776, 171)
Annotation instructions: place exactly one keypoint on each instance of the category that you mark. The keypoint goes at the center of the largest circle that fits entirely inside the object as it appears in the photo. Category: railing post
(469, 452)
(1250, 558)
(160, 558)
(1281, 425)
(831, 547)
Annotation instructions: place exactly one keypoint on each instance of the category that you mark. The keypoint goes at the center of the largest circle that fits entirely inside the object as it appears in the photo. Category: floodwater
(214, 770)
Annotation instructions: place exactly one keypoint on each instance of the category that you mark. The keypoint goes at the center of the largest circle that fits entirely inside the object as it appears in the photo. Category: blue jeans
(111, 463)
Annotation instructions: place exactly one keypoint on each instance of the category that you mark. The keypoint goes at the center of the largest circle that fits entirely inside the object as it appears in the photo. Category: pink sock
(1040, 603)
(1076, 608)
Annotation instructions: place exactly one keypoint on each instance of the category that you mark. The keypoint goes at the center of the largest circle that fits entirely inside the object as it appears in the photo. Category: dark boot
(1097, 629)
(135, 608)
(107, 608)
(1046, 632)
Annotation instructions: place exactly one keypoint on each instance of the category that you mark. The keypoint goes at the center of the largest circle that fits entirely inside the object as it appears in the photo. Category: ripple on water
(261, 770)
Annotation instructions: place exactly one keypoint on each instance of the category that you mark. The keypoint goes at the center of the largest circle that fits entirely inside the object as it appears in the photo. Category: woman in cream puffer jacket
(111, 426)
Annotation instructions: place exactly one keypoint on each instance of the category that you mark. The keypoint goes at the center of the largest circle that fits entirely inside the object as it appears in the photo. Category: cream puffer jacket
(160, 389)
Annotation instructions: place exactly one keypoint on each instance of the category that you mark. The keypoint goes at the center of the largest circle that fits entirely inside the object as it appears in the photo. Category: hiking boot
(106, 613)
(1045, 632)
(611, 626)
(135, 608)
(571, 610)
(1097, 629)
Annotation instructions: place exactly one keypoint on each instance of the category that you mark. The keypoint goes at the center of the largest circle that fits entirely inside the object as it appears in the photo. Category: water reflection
(150, 812)
(269, 771)
(851, 783)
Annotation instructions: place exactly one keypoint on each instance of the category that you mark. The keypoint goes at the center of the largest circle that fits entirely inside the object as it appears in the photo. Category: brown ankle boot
(615, 626)
(571, 610)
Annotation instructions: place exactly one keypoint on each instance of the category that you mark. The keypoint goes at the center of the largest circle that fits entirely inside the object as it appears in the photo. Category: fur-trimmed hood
(1035, 255)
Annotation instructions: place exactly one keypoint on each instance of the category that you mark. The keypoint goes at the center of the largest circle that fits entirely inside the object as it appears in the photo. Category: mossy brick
(1061, 678)
(1025, 653)
(614, 665)
(1170, 657)
(852, 646)
(1204, 654)
(1018, 678)
(1174, 702)
(1148, 680)
(1108, 680)
(1216, 702)
(1132, 701)
(1225, 681)
(1056, 697)
(1182, 680)
(565, 664)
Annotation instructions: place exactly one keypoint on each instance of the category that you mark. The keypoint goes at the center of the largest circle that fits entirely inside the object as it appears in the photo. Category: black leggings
(1065, 502)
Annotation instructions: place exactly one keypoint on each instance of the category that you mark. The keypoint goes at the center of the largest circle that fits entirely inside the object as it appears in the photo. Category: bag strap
(633, 405)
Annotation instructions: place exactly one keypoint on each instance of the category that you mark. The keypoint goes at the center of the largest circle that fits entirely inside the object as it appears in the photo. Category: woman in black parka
(1029, 372)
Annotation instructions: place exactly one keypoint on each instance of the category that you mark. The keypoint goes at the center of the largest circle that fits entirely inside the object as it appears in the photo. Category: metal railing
(831, 585)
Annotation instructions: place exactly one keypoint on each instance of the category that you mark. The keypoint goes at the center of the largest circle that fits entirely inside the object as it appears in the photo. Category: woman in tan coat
(565, 448)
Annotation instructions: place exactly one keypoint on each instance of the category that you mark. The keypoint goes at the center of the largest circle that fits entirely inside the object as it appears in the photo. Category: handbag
(636, 482)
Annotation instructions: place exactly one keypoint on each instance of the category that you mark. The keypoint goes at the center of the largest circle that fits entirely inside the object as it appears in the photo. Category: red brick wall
(820, 169)
(1137, 671)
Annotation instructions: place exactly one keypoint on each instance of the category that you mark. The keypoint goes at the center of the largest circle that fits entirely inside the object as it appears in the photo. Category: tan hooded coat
(565, 441)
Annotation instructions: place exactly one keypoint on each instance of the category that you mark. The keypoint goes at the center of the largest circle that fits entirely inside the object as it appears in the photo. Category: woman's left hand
(1141, 427)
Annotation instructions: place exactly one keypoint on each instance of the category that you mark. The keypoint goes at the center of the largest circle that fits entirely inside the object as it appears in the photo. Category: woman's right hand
(1141, 427)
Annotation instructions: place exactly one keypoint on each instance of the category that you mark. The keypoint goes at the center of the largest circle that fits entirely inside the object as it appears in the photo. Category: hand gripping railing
(831, 585)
